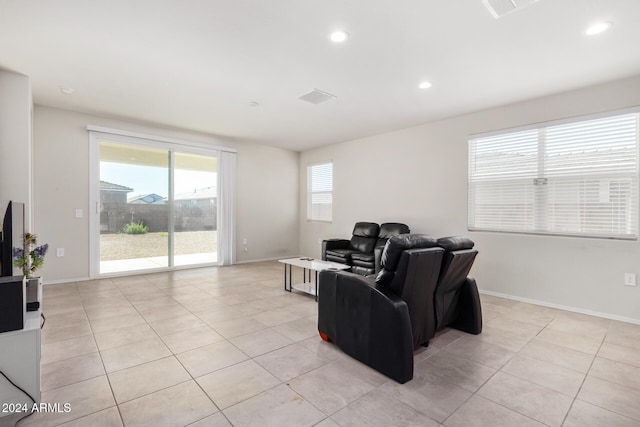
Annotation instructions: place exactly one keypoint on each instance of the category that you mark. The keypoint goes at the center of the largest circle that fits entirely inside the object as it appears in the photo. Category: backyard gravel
(127, 246)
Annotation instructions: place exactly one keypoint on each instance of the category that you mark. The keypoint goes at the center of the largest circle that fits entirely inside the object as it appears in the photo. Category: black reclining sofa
(364, 251)
(421, 288)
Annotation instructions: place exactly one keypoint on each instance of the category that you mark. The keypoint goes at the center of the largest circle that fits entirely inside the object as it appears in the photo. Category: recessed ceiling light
(339, 36)
(597, 28)
(424, 85)
(66, 90)
(254, 104)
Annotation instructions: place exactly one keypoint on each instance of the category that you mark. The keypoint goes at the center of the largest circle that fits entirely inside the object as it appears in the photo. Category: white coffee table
(308, 264)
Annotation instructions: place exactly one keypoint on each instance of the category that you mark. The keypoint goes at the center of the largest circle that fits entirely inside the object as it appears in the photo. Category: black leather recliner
(420, 289)
(381, 321)
(363, 241)
(457, 301)
(387, 230)
(364, 250)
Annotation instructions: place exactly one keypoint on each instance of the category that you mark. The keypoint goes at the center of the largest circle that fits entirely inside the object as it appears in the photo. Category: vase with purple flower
(30, 257)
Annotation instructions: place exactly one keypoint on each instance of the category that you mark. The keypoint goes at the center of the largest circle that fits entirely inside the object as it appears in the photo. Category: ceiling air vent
(317, 97)
(499, 8)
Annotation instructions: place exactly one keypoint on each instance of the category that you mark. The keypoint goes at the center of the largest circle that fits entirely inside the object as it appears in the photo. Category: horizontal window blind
(320, 192)
(579, 178)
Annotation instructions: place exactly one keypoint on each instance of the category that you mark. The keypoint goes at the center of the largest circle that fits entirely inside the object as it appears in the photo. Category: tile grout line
(141, 364)
(587, 374)
(194, 379)
(494, 374)
(103, 367)
(106, 374)
(172, 355)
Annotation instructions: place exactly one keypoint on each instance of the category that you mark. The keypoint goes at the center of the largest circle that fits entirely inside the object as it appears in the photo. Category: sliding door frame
(97, 134)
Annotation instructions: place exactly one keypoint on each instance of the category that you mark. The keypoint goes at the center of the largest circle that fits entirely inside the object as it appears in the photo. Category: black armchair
(381, 322)
(364, 250)
(362, 241)
(457, 302)
(423, 286)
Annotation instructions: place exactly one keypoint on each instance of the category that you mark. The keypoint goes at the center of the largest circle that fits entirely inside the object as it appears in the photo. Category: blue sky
(149, 179)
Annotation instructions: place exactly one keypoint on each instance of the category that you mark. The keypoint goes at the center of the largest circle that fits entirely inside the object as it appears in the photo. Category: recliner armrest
(469, 308)
(377, 258)
(368, 322)
(329, 244)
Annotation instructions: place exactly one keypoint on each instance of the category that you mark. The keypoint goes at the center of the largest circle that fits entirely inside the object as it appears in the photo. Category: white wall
(15, 141)
(419, 176)
(267, 191)
(267, 209)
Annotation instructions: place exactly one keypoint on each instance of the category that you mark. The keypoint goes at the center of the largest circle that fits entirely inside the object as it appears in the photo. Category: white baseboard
(58, 282)
(562, 307)
(265, 259)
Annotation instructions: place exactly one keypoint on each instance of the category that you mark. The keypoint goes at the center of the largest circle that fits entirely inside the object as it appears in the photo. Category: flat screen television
(12, 237)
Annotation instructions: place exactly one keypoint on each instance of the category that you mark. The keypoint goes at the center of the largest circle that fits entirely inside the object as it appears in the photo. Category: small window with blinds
(573, 179)
(320, 192)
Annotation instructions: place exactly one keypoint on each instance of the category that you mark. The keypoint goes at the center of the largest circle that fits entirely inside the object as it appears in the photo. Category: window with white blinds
(320, 192)
(575, 179)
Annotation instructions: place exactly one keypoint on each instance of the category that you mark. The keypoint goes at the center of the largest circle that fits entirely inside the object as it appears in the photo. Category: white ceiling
(198, 64)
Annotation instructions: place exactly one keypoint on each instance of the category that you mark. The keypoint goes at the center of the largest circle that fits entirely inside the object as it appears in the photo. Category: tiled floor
(227, 346)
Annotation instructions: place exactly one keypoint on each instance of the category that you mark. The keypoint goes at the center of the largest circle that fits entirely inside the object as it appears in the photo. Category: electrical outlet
(245, 241)
(79, 213)
(60, 252)
(630, 279)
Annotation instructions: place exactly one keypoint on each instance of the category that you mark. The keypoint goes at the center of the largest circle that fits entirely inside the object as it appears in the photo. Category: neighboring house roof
(199, 193)
(108, 186)
(152, 198)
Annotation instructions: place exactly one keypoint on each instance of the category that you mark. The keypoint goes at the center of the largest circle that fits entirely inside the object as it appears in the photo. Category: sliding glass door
(134, 208)
(157, 207)
(195, 196)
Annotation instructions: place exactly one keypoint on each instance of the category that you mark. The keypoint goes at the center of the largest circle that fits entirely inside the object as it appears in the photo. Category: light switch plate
(629, 279)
